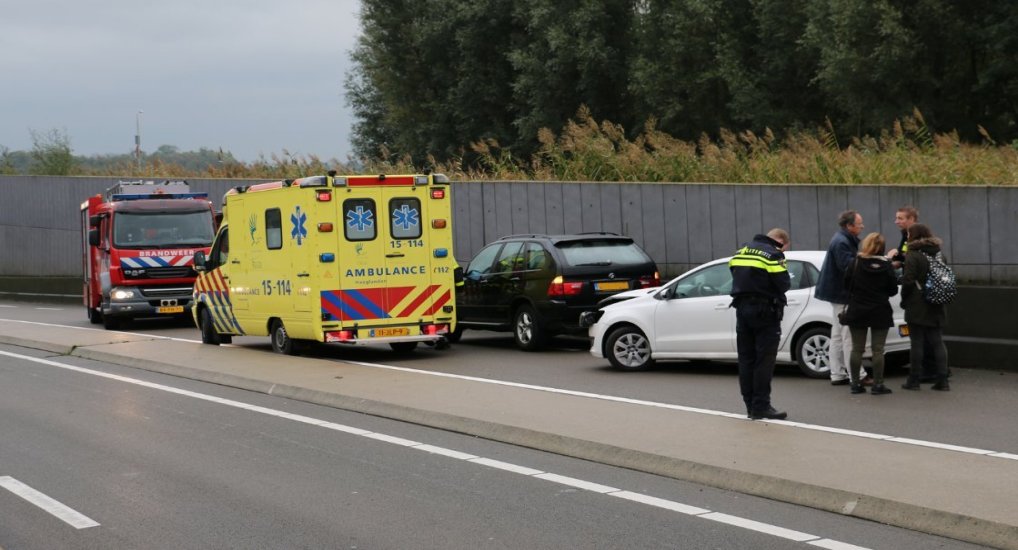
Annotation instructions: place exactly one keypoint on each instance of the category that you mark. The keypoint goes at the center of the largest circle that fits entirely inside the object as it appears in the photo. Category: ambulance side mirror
(457, 276)
(199, 261)
(93, 237)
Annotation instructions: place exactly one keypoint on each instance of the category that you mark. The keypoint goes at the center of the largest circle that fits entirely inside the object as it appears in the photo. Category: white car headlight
(122, 294)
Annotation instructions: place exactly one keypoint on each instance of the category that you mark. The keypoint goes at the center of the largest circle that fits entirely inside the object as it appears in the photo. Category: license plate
(170, 309)
(386, 332)
(903, 330)
(611, 285)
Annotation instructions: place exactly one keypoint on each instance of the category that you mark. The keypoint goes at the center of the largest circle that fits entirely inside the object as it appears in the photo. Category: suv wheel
(527, 329)
(811, 352)
(629, 349)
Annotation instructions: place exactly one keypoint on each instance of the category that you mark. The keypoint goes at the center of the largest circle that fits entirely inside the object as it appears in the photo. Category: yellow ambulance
(342, 259)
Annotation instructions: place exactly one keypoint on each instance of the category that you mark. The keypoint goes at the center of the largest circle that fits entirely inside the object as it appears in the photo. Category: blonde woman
(870, 282)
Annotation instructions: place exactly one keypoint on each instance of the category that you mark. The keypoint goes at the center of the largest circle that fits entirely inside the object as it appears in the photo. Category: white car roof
(816, 257)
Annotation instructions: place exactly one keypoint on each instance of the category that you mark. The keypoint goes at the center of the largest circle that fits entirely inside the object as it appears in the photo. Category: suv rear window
(600, 252)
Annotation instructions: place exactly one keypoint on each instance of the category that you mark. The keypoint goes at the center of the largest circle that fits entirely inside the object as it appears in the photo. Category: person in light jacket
(871, 282)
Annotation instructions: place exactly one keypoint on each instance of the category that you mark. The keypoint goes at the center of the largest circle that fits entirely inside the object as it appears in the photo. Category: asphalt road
(976, 413)
(146, 460)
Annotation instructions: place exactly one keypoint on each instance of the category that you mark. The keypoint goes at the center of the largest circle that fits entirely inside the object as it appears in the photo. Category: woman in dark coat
(925, 320)
(871, 282)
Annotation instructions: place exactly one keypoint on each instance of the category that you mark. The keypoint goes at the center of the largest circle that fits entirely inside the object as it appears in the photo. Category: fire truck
(138, 244)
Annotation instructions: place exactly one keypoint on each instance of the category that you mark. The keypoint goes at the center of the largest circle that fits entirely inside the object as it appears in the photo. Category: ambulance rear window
(359, 219)
(405, 222)
(273, 229)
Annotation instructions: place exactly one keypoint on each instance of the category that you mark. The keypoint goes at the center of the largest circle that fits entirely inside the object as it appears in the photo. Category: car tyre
(208, 329)
(629, 349)
(281, 341)
(527, 329)
(110, 322)
(812, 351)
(95, 316)
(403, 347)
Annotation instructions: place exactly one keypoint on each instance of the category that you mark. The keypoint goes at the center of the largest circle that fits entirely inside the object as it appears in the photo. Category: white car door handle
(721, 306)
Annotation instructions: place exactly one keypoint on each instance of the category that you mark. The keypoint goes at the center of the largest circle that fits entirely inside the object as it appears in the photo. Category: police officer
(759, 282)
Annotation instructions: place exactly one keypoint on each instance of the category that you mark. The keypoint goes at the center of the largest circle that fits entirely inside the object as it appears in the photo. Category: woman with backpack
(925, 320)
(870, 281)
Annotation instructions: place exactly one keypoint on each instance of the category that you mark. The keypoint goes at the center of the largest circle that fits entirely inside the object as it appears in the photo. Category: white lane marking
(767, 528)
(466, 457)
(616, 399)
(50, 308)
(62, 512)
(661, 503)
(834, 545)
(578, 483)
(4, 305)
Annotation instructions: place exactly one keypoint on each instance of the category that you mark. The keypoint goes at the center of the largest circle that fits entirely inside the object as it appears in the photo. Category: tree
(578, 54)
(51, 153)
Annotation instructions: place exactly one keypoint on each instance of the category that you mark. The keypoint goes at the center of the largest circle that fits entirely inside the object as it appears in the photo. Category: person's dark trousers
(925, 338)
(929, 372)
(758, 333)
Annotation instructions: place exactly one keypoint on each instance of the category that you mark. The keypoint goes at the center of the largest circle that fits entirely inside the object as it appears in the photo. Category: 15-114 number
(280, 286)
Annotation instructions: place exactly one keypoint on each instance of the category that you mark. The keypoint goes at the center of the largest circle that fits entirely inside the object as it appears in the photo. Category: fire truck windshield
(162, 230)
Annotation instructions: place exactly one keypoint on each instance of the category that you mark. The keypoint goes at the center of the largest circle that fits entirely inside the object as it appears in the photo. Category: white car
(690, 318)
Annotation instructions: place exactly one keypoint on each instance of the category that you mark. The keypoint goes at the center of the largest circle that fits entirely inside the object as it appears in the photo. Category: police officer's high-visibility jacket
(758, 270)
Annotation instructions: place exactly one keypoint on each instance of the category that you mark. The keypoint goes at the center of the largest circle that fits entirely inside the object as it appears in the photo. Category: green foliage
(433, 79)
(51, 153)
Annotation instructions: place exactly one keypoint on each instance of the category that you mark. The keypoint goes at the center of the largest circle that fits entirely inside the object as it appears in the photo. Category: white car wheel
(629, 349)
(812, 352)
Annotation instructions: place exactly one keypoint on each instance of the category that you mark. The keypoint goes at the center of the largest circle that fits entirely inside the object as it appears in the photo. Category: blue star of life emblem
(298, 232)
(359, 219)
(405, 217)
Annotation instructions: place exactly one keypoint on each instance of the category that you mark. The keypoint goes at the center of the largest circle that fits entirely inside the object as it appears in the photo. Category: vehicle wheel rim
(631, 350)
(281, 337)
(525, 327)
(815, 352)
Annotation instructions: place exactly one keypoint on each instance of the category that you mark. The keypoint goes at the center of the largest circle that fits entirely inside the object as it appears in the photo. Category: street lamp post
(137, 137)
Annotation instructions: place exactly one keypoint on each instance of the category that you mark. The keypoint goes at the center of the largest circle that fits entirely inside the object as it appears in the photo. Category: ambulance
(337, 259)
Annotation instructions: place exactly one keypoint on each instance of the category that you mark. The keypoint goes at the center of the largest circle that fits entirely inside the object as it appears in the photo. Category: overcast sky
(254, 77)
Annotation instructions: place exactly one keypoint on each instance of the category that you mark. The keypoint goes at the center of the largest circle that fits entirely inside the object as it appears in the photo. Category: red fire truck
(138, 243)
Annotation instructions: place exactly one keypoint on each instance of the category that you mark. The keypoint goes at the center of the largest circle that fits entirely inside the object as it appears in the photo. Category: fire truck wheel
(281, 341)
(110, 322)
(208, 331)
(94, 316)
(403, 347)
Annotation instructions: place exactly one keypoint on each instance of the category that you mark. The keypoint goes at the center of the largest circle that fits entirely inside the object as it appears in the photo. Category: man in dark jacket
(831, 288)
(906, 217)
(759, 282)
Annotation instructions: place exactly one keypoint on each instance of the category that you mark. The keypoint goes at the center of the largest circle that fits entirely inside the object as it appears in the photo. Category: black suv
(538, 285)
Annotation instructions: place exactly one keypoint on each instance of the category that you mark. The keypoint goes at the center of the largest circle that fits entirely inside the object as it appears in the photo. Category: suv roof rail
(598, 233)
(522, 235)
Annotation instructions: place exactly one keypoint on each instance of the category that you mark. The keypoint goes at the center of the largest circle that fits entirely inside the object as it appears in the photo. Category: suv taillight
(647, 282)
(559, 287)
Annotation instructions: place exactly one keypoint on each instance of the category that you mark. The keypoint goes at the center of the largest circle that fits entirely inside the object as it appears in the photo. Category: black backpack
(941, 287)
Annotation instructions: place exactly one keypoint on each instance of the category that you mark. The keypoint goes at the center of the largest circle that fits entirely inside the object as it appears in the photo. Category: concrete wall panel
(610, 199)
(536, 214)
(572, 208)
(503, 210)
(554, 206)
(590, 209)
(807, 229)
(698, 224)
(774, 208)
(1003, 210)
(966, 241)
(723, 220)
(747, 211)
(651, 214)
(675, 227)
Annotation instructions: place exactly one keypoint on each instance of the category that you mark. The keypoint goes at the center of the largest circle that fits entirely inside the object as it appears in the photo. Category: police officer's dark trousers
(758, 333)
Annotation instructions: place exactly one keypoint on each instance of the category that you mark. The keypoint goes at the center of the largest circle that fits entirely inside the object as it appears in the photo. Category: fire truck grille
(169, 272)
(175, 292)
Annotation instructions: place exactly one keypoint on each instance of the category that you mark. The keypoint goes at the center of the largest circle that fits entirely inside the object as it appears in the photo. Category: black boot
(880, 389)
(857, 388)
(910, 384)
(942, 385)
